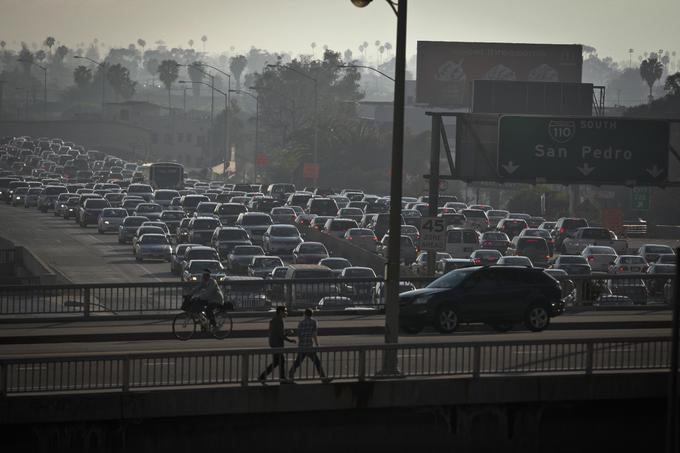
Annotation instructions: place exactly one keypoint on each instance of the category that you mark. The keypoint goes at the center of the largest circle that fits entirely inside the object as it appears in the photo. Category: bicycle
(185, 323)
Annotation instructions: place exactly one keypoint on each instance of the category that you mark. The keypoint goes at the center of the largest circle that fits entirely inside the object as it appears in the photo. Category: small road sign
(640, 198)
(432, 233)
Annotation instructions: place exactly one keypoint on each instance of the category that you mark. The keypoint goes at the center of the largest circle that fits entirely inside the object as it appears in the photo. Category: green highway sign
(582, 150)
(639, 198)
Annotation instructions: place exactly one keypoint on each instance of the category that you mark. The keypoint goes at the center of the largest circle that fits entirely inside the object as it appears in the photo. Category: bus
(164, 175)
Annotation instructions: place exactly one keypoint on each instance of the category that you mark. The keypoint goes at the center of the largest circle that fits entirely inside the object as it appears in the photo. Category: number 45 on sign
(432, 233)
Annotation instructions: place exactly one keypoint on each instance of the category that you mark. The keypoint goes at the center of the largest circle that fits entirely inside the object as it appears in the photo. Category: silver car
(263, 266)
(283, 214)
(310, 253)
(599, 257)
(281, 239)
(110, 219)
(153, 246)
(338, 227)
(255, 223)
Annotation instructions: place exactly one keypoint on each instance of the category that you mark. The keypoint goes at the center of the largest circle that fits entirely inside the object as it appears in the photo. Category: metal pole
(227, 137)
(185, 101)
(672, 413)
(2, 88)
(45, 96)
(316, 129)
(103, 65)
(257, 125)
(433, 199)
(390, 364)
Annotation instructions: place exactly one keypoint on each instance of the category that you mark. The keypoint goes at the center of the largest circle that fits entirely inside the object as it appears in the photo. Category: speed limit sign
(432, 233)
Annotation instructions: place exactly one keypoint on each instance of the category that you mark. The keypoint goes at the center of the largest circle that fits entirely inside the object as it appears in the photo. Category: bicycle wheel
(223, 324)
(183, 326)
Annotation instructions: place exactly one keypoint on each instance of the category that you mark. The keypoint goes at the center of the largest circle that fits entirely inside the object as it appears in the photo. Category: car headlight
(421, 300)
(106, 222)
(194, 278)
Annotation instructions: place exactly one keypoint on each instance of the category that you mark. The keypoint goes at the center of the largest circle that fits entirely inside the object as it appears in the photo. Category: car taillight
(622, 268)
(486, 243)
(478, 261)
(591, 258)
(375, 238)
(562, 230)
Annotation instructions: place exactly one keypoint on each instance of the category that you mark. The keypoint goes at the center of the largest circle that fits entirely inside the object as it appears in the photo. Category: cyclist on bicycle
(207, 296)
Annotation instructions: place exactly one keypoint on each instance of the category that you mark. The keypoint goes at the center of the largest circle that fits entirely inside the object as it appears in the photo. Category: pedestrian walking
(307, 336)
(277, 337)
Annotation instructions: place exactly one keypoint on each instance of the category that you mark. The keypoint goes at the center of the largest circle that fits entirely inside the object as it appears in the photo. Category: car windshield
(231, 209)
(572, 224)
(206, 207)
(350, 211)
(284, 231)
(135, 188)
(254, 250)
(361, 232)
(658, 249)
(312, 248)
(572, 260)
(133, 221)
(335, 263)
(114, 213)
(474, 213)
(201, 254)
(452, 279)
(256, 220)
(667, 259)
(96, 204)
(516, 260)
(282, 211)
(232, 235)
(267, 262)
(495, 236)
(206, 224)
(632, 260)
(601, 251)
(359, 273)
(172, 215)
(341, 224)
(153, 239)
(149, 208)
(199, 266)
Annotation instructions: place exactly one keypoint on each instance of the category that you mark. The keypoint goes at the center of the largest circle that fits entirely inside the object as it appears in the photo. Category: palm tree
(651, 70)
(191, 43)
(388, 47)
(40, 55)
(82, 76)
(168, 71)
(3, 44)
(313, 46)
(195, 71)
(49, 42)
(236, 65)
(204, 38)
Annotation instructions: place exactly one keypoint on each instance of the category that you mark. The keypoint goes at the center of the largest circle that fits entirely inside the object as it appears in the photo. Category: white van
(460, 242)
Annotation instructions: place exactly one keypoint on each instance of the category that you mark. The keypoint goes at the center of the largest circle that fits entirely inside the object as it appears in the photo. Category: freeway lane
(81, 255)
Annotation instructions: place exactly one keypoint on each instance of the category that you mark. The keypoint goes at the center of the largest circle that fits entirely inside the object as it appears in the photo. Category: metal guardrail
(260, 295)
(126, 372)
(157, 298)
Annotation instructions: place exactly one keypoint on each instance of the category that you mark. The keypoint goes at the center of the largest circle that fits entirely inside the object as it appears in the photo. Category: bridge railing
(260, 295)
(126, 372)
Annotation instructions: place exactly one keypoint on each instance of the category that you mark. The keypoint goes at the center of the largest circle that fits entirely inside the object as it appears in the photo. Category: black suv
(565, 227)
(498, 296)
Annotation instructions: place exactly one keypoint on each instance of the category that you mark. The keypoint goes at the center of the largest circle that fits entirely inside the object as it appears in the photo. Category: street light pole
(102, 65)
(257, 120)
(226, 113)
(390, 362)
(316, 112)
(348, 66)
(44, 68)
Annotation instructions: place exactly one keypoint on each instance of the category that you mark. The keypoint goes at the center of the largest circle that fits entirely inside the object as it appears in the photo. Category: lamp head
(361, 3)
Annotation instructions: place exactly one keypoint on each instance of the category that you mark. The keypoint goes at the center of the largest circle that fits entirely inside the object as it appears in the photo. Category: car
(338, 227)
(632, 288)
(241, 256)
(164, 197)
(379, 291)
(599, 257)
(357, 290)
(410, 231)
(450, 264)
(48, 197)
(195, 269)
(199, 252)
(172, 219)
(498, 296)
(130, 204)
(206, 209)
(351, 213)
(329, 303)
(407, 250)
(456, 220)
(183, 229)
(90, 211)
(110, 219)
(521, 261)
(178, 256)
(151, 210)
(533, 247)
(142, 230)
(304, 293)
(475, 219)
(548, 226)
(31, 197)
(283, 214)
(454, 206)
(322, 206)
(60, 204)
(128, 228)
(665, 264)
(495, 215)
(201, 229)
(114, 199)
(255, 223)
(316, 222)
(152, 246)
(224, 239)
(572, 264)
(565, 227)
(18, 196)
(627, 264)
(460, 242)
(141, 190)
(495, 240)
(511, 227)
(190, 201)
(281, 239)
(229, 212)
(309, 253)
(537, 232)
(484, 257)
(419, 266)
(592, 236)
(335, 264)
(362, 237)
(651, 252)
(263, 265)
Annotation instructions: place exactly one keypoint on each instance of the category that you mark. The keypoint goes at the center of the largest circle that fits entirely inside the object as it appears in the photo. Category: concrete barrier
(27, 267)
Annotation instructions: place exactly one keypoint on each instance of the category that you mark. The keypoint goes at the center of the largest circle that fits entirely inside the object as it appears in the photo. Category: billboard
(447, 70)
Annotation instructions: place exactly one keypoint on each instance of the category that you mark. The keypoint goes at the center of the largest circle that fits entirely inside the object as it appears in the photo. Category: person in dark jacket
(277, 337)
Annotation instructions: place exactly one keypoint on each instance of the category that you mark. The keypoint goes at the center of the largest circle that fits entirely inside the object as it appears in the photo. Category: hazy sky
(612, 26)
